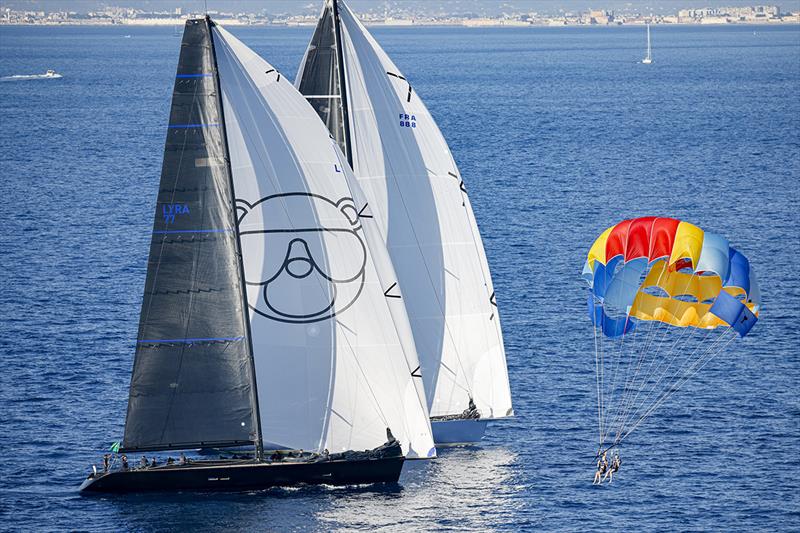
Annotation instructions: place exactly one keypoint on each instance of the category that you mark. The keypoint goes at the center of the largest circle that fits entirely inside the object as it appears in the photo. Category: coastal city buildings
(399, 16)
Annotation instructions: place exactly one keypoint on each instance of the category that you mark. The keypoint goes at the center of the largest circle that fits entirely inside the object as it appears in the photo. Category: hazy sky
(429, 6)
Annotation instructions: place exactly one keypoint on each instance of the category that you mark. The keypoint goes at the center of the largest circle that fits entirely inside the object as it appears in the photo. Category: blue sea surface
(559, 133)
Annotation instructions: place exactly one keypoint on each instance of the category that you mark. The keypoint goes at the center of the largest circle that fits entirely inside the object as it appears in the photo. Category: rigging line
(644, 405)
(619, 355)
(674, 355)
(632, 407)
(688, 362)
(652, 332)
(646, 382)
(597, 383)
(618, 406)
(666, 330)
(615, 366)
(627, 354)
(602, 383)
(628, 402)
(631, 386)
(682, 339)
(626, 388)
(638, 356)
(695, 368)
(677, 386)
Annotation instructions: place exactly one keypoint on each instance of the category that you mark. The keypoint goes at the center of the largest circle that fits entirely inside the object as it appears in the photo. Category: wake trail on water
(21, 77)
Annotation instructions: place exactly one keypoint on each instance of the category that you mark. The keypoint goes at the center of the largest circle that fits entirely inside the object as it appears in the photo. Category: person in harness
(602, 468)
(615, 464)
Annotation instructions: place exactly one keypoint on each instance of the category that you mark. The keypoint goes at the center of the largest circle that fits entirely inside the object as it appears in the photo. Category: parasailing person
(602, 467)
(613, 468)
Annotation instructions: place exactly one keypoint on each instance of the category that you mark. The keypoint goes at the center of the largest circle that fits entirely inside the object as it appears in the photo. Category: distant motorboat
(52, 74)
(649, 57)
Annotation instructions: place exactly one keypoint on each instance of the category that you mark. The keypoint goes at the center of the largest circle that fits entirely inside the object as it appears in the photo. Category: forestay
(419, 199)
(334, 355)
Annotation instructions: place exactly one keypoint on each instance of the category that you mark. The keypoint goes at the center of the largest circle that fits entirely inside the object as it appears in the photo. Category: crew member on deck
(124, 461)
(106, 462)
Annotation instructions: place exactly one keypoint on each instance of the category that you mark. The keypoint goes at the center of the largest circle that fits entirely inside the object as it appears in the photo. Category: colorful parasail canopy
(669, 271)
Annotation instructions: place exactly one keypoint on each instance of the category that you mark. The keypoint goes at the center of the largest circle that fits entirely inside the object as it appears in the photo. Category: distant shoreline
(499, 24)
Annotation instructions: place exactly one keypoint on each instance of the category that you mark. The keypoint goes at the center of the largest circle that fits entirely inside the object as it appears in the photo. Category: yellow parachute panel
(688, 243)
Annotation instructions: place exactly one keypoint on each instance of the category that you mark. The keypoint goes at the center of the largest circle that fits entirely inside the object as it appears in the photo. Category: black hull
(234, 476)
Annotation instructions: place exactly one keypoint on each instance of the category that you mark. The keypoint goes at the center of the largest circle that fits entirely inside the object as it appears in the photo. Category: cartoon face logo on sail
(303, 254)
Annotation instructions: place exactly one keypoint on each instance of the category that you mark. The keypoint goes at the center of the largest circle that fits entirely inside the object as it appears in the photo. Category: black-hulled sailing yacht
(418, 196)
(268, 319)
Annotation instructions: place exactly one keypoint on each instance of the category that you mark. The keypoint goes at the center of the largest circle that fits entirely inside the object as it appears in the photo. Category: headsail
(415, 190)
(334, 353)
(192, 383)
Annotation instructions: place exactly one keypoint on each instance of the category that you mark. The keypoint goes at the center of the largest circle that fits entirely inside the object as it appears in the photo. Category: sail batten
(419, 199)
(192, 383)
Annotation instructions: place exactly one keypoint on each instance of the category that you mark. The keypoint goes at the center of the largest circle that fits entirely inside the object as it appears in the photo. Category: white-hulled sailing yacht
(267, 318)
(416, 193)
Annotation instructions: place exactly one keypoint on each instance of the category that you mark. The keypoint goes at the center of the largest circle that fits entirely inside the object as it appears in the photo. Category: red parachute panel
(662, 237)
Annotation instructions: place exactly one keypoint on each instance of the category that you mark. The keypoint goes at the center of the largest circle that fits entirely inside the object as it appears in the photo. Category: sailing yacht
(649, 57)
(419, 199)
(267, 321)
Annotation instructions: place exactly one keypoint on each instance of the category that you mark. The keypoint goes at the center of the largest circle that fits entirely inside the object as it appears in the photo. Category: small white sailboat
(267, 320)
(418, 196)
(649, 57)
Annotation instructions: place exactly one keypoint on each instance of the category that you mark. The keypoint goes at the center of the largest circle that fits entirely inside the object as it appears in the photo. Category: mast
(245, 308)
(648, 41)
(342, 81)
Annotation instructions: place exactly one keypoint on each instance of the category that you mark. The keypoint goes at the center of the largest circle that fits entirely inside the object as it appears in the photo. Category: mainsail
(308, 313)
(418, 197)
(192, 382)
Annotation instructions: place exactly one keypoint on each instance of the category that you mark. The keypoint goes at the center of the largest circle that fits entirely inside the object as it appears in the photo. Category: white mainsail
(416, 192)
(334, 356)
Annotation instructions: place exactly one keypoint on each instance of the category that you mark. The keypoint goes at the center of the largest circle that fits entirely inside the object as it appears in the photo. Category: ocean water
(559, 133)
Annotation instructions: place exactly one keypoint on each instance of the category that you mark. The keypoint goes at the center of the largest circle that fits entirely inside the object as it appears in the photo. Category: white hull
(456, 432)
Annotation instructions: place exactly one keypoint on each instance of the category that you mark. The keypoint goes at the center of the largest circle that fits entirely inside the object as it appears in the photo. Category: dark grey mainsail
(192, 382)
(321, 74)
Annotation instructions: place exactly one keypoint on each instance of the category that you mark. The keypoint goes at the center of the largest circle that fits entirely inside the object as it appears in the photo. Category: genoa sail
(334, 353)
(416, 193)
(192, 382)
